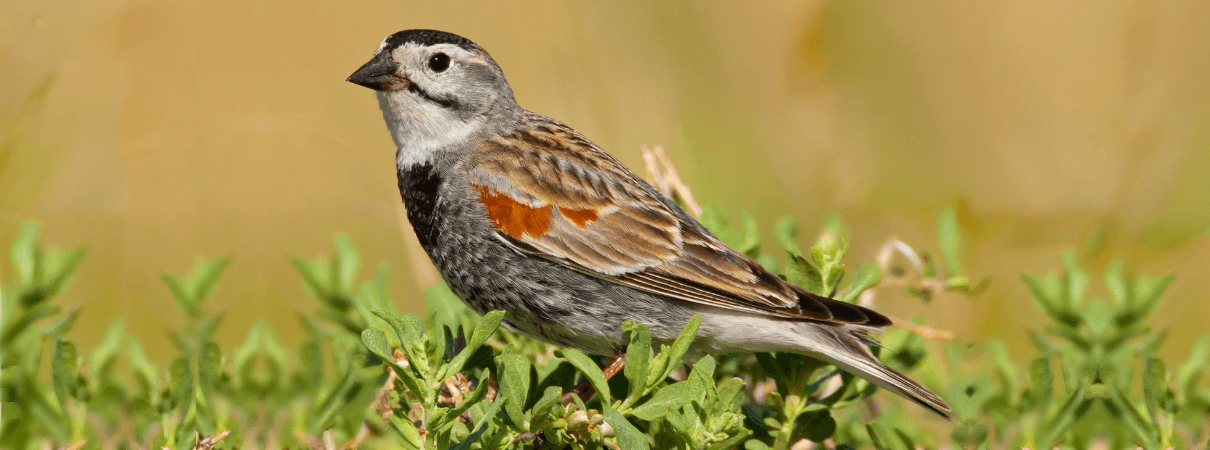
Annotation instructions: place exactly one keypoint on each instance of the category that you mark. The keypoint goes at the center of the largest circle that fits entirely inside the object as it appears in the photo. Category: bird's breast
(419, 186)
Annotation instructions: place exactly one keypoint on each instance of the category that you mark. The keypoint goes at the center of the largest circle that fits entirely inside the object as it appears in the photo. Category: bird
(521, 213)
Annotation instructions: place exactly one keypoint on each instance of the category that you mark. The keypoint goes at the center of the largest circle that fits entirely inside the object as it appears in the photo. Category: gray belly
(540, 298)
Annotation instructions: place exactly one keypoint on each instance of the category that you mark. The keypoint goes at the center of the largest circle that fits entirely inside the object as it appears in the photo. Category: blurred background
(152, 132)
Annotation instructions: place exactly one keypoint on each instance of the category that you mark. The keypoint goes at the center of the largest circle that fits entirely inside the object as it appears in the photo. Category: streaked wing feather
(553, 194)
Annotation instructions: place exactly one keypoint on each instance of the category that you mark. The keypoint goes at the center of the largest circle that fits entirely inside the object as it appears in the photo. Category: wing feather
(551, 193)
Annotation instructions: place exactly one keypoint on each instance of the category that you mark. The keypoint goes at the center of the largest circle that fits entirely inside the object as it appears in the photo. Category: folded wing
(551, 193)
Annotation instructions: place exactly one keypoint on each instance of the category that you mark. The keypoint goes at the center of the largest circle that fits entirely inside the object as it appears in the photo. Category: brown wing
(552, 193)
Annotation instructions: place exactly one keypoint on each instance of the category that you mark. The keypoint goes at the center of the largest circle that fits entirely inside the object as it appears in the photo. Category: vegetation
(369, 377)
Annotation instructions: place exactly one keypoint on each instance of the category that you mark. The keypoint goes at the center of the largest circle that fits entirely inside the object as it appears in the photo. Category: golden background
(151, 132)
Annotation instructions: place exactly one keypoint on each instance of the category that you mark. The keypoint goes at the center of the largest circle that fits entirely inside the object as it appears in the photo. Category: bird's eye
(439, 62)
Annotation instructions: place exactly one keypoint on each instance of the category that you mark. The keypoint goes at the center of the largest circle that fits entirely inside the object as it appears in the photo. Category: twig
(915, 280)
(312, 442)
(667, 180)
(362, 434)
(209, 442)
(75, 445)
(329, 441)
(921, 330)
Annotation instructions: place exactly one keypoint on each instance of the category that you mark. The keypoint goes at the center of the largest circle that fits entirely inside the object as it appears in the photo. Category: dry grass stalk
(666, 179)
(209, 442)
(664, 176)
(913, 279)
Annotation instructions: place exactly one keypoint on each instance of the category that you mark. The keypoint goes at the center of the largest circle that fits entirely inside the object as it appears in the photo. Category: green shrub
(368, 377)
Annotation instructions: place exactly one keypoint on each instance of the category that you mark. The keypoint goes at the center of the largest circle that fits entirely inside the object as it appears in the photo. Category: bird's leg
(615, 366)
(585, 391)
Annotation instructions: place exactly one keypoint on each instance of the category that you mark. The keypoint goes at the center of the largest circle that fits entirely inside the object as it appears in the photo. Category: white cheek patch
(422, 129)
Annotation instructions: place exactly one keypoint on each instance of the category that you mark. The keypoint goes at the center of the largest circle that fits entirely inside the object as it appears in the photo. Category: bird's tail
(852, 355)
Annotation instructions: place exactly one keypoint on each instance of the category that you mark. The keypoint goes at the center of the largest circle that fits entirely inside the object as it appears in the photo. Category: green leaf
(802, 273)
(714, 220)
(589, 368)
(638, 358)
(1041, 381)
(180, 385)
(59, 268)
(878, 436)
(405, 332)
(205, 328)
(1150, 291)
(970, 434)
(702, 375)
(629, 437)
(819, 425)
(667, 399)
(746, 240)
(483, 330)
(25, 254)
(1075, 280)
(1155, 384)
(546, 407)
(376, 341)
(1117, 283)
(514, 385)
(344, 267)
(753, 444)
(676, 352)
(868, 276)
(828, 253)
(481, 425)
(958, 283)
(949, 237)
(405, 433)
(314, 275)
(182, 295)
(106, 353)
(729, 392)
(409, 330)
(374, 294)
(1130, 416)
(61, 326)
(143, 369)
(750, 242)
(444, 307)
(786, 232)
(205, 276)
(1188, 376)
(210, 367)
(65, 372)
(1062, 419)
(270, 349)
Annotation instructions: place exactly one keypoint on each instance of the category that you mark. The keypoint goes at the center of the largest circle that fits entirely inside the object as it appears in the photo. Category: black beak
(378, 74)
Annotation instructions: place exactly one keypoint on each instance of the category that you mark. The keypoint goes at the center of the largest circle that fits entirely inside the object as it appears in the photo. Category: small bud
(607, 430)
(792, 401)
(577, 419)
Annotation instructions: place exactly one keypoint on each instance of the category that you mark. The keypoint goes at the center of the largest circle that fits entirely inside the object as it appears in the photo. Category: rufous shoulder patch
(512, 217)
(580, 217)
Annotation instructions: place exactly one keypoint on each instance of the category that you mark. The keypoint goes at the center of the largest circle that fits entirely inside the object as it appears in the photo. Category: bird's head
(434, 89)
